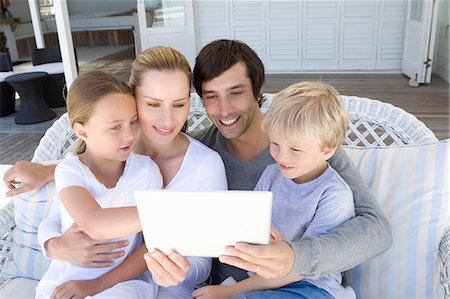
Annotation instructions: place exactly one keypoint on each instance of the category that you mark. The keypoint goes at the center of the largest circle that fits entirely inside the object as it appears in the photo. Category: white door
(168, 23)
(420, 36)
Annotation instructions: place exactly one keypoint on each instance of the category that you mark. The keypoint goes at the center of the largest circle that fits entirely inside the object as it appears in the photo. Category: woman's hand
(75, 289)
(78, 248)
(167, 270)
(271, 261)
(25, 176)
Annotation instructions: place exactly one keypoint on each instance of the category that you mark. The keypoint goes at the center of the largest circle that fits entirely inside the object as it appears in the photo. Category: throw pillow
(411, 184)
(30, 209)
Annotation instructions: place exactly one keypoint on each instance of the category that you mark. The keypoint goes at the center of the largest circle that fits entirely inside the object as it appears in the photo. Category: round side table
(32, 105)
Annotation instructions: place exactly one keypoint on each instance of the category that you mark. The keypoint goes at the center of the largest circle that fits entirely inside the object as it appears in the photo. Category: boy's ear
(80, 131)
(328, 152)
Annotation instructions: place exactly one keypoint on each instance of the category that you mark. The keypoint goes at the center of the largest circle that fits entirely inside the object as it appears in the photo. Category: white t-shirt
(140, 172)
(201, 169)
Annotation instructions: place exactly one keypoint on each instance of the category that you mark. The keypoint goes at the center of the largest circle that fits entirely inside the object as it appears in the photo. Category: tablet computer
(203, 223)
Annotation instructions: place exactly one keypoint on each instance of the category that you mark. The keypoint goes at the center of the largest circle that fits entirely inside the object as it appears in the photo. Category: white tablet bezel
(203, 223)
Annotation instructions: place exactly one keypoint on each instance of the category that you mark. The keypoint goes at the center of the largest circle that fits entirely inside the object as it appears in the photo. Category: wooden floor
(17, 146)
(429, 103)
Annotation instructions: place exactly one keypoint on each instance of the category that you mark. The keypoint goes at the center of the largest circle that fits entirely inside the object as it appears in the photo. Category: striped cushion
(29, 210)
(411, 184)
(22, 288)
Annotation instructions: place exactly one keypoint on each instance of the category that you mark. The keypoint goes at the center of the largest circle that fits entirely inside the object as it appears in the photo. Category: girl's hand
(75, 289)
(167, 270)
(213, 292)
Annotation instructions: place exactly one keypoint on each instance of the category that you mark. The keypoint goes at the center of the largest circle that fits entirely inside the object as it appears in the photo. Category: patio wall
(441, 55)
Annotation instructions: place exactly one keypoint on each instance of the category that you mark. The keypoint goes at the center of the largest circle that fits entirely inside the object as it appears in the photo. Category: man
(229, 76)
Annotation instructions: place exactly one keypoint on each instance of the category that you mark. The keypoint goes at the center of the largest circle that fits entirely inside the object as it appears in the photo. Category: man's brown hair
(220, 55)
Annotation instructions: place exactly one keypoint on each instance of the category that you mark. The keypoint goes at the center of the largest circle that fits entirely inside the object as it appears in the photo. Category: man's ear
(328, 152)
(80, 131)
(260, 95)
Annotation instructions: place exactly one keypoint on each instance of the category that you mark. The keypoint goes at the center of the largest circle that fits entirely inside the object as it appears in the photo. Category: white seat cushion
(49, 68)
(3, 75)
(23, 288)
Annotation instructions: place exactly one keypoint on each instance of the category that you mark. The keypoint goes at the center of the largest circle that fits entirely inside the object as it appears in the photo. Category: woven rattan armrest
(7, 225)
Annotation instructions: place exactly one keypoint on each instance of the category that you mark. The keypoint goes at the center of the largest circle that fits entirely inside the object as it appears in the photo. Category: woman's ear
(80, 131)
(328, 152)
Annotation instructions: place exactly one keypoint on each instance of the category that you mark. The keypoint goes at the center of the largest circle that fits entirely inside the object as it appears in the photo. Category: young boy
(305, 124)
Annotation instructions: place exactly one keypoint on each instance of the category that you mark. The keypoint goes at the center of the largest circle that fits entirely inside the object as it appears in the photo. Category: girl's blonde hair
(158, 58)
(309, 109)
(85, 92)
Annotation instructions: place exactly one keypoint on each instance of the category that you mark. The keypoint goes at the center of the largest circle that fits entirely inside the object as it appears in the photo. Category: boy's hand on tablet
(271, 261)
(167, 270)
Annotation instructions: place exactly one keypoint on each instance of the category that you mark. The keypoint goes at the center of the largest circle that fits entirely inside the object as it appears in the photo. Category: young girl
(161, 78)
(101, 174)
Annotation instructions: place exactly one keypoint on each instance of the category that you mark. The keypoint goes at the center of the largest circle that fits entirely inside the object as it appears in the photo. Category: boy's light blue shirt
(309, 210)
(353, 242)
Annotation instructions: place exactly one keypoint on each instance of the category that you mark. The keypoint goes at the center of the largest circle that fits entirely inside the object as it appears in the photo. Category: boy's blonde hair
(84, 94)
(158, 58)
(309, 109)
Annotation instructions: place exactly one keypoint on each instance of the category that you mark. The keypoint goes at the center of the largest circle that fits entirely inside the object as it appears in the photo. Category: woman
(161, 79)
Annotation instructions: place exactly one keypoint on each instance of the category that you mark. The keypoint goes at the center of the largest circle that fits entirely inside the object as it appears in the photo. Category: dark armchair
(54, 87)
(7, 99)
(45, 55)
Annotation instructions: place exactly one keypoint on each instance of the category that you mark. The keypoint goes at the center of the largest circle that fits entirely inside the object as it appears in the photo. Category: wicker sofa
(379, 135)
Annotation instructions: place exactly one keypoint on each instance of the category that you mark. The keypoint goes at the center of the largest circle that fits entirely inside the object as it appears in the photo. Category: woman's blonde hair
(309, 109)
(158, 58)
(85, 92)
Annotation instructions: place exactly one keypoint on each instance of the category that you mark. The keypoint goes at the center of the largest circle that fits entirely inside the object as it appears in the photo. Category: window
(45, 7)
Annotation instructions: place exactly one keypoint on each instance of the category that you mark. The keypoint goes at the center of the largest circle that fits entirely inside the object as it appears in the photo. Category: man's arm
(75, 246)
(351, 243)
(32, 177)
